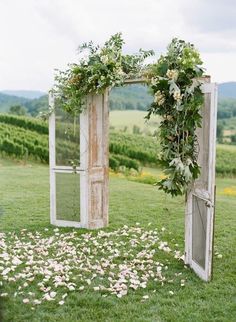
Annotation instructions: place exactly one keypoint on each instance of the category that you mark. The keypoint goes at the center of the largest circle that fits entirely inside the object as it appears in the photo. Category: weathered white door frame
(203, 192)
(93, 169)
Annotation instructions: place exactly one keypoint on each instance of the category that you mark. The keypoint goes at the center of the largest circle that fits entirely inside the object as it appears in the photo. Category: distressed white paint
(204, 187)
(94, 164)
(52, 161)
(96, 125)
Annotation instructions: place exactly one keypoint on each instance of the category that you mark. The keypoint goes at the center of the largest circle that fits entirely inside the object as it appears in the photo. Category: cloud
(210, 16)
(38, 36)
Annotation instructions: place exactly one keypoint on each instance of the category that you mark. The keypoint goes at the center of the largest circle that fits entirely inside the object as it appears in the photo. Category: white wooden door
(200, 206)
(67, 171)
(79, 166)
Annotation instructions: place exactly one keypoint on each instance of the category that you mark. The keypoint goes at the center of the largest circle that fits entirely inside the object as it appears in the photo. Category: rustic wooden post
(95, 161)
(200, 205)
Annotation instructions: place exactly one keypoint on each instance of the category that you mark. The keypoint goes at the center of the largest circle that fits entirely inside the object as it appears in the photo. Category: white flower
(172, 74)
(61, 302)
(153, 81)
(159, 98)
(104, 59)
(177, 95)
(145, 297)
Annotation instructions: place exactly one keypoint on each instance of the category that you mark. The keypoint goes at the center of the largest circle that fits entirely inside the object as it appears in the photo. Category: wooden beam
(135, 81)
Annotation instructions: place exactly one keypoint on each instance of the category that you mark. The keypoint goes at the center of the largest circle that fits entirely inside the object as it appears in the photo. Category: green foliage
(226, 108)
(6, 101)
(37, 105)
(220, 132)
(23, 143)
(25, 123)
(177, 99)
(28, 137)
(225, 160)
(130, 97)
(127, 150)
(104, 68)
(17, 110)
(117, 161)
(141, 148)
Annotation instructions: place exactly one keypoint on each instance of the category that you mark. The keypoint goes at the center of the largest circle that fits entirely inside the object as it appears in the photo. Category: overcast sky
(37, 36)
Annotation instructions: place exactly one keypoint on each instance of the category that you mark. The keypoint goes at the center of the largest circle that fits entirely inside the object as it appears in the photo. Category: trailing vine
(175, 84)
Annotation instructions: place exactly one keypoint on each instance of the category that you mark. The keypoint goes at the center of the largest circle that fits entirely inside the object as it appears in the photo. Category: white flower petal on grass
(88, 281)
(53, 294)
(6, 271)
(171, 292)
(25, 301)
(16, 261)
(47, 297)
(146, 297)
(71, 288)
(61, 302)
(96, 288)
(124, 258)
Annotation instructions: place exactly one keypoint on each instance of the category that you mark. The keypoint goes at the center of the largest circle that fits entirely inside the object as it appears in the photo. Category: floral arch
(186, 101)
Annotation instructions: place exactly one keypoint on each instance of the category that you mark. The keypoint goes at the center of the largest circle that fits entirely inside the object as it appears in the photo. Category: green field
(126, 120)
(24, 204)
(26, 138)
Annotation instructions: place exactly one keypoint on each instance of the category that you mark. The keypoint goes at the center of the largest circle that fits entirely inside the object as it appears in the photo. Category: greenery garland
(98, 69)
(175, 83)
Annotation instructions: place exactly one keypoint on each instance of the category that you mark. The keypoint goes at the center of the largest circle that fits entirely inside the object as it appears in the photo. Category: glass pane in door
(67, 134)
(68, 196)
(199, 226)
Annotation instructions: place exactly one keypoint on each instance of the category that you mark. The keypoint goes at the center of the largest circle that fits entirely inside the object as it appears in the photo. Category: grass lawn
(24, 204)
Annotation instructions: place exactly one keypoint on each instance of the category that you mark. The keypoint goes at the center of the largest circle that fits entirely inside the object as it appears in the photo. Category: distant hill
(24, 93)
(130, 97)
(37, 105)
(227, 90)
(6, 101)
